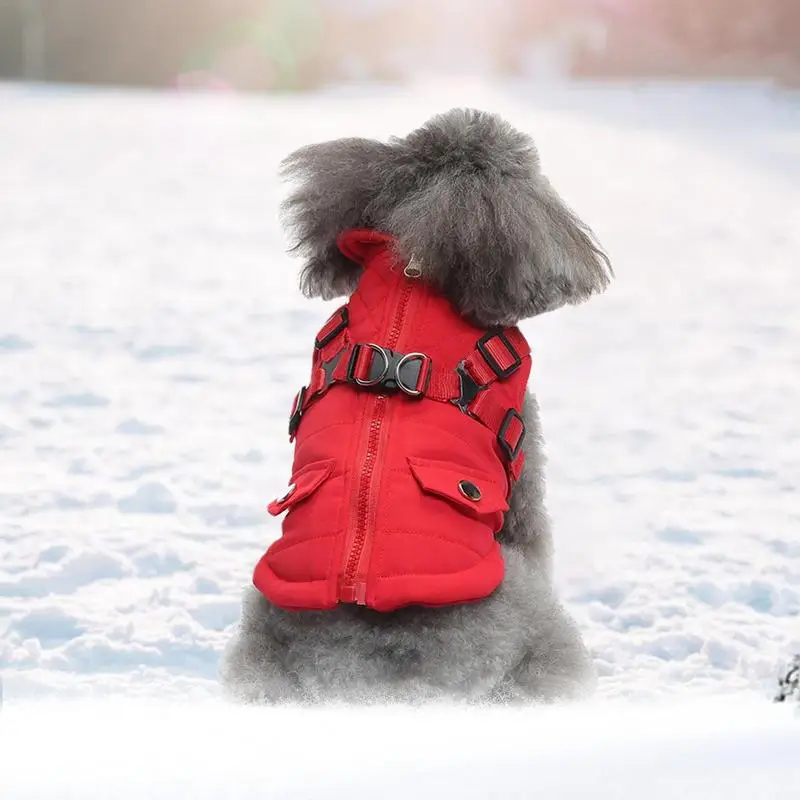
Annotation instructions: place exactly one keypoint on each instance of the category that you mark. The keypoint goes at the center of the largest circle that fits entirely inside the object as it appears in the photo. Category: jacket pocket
(303, 484)
(472, 491)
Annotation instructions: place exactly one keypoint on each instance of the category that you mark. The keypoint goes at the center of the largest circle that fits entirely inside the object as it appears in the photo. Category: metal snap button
(469, 490)
(289, 493)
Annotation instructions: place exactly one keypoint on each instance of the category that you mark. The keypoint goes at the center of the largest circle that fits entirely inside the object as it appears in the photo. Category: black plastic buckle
(390, 370)
(329, 366)
(511, 452)
(344, 321)
(297, 412)
(469, 388)
(492, 361)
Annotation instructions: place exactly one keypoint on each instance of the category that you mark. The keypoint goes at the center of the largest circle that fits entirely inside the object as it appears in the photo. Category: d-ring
(422, 358)
(384, 372)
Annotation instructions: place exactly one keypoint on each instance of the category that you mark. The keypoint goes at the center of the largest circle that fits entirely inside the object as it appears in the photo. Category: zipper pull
(354, 593)
(413, 269)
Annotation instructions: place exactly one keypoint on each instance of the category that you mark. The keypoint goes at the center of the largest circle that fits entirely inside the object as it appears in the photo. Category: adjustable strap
(330, 345)
(337, 324)
(509, 427)
(497, 355)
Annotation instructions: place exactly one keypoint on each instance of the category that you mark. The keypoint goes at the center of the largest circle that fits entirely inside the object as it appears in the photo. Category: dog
(464, 196)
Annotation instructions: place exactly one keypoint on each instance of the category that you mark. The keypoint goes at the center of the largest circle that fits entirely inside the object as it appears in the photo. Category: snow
(737, 750)
(152, 338)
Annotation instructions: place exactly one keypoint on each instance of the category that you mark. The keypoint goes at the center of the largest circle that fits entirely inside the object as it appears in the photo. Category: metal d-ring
(421, 357)
(385, 371)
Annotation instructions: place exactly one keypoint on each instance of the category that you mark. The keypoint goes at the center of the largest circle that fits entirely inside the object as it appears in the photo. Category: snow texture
(152, 337)
(740, 750)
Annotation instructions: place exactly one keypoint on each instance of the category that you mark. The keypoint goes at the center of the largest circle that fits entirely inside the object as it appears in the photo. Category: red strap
(503, 349)
(497, 355)
(330, 338)
(444, 385)
(362, 363)
(490, 412)
(515, 467)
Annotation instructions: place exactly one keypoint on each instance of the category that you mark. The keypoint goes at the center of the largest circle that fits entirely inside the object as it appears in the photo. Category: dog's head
(465, 196)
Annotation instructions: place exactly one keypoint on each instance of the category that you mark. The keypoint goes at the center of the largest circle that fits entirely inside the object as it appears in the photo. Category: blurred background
(304, 44)
(152, 335)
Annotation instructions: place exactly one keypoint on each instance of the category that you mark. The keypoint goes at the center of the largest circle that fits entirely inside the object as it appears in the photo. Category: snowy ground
(208, 751)
(151, 339)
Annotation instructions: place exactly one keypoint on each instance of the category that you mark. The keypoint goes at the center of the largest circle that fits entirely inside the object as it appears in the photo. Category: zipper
(354, 587)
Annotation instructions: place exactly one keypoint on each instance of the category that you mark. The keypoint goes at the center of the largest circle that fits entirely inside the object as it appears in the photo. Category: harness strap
(330, 345)
(497, 355)
(326, 340)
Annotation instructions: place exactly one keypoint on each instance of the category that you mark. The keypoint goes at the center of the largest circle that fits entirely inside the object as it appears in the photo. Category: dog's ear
(335, 184)
(489, 230)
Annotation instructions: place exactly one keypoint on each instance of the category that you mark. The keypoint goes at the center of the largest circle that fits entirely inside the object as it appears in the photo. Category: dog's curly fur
(463, 195)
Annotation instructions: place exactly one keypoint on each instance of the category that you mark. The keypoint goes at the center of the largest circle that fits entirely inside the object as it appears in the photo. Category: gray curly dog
(465, 195)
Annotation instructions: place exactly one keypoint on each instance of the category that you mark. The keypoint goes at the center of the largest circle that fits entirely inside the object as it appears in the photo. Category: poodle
(465, 197)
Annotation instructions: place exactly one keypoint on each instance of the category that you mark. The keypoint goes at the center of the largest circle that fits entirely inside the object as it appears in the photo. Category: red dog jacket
(407, 442)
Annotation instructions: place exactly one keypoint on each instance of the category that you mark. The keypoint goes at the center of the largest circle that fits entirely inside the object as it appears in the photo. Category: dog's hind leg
(555, 664)
(252, 667)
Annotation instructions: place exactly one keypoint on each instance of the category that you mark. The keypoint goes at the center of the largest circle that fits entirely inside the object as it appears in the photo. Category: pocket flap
(470, 489)
(305, 481)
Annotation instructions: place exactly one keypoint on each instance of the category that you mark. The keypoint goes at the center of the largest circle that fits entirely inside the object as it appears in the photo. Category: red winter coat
(407, 443)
